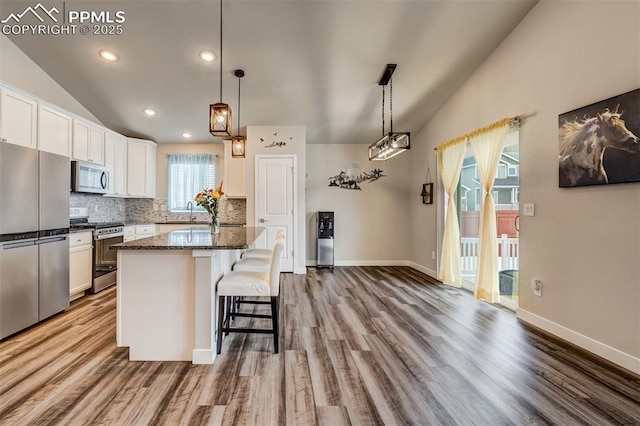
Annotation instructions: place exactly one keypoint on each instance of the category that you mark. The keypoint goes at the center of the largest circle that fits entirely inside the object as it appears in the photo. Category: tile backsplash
(101, 209)
(107, 209)
(155, 210)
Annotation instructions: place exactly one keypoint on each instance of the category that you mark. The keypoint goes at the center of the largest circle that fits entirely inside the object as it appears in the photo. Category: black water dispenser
(325, 227)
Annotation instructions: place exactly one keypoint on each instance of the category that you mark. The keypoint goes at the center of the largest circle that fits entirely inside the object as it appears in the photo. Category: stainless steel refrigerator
(34, 236)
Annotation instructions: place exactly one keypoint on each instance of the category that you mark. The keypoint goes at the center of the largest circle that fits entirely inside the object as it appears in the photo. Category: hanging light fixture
(238, 142)
(220, 113)
(392, 143)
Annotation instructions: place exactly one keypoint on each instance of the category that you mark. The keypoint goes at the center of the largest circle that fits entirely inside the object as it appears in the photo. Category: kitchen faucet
(190, 207)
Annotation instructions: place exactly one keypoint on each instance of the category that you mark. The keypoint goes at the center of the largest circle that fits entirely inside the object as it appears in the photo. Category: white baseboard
(423, 269)
(203, 356)
(614, 355)
(417, 267)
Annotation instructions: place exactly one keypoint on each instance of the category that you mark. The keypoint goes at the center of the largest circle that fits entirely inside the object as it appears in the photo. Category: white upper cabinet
(54, 130)
(88, 142)
(18, 119)
(141, 168)
(115, 159)
(235, 174)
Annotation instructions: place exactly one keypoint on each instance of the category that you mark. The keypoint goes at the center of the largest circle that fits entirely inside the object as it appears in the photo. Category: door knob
(263, 220)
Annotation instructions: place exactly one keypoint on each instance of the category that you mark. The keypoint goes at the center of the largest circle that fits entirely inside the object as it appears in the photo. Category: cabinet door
(141, 168)
(80, 275)
(96, 145)
(80, 140)
(115, 159)
(54, 130)
(235, 174)
(150, 155)
(18, 119)
(136, 168)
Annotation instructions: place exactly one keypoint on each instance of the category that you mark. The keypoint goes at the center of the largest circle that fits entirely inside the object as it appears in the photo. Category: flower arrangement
(208, 198)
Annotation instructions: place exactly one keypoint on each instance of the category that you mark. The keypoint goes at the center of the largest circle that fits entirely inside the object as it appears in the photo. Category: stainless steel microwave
(89, 177)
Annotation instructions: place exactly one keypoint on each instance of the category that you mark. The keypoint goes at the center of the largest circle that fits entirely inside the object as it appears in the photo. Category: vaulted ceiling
(307, 62)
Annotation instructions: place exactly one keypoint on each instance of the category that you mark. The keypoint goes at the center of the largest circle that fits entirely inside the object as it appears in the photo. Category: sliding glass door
(506, 191)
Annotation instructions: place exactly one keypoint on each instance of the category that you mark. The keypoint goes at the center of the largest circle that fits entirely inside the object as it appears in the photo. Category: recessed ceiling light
(207, 55)
(149, 112)
(186, 135)
(108, 55)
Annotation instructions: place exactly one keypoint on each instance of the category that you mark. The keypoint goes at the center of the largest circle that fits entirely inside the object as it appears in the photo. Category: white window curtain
(487, 148)
(450, 157)
(188, 175)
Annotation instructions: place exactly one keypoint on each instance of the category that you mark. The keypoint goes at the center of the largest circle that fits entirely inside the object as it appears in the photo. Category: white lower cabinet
(144, 231)
(80, 269)
(129, 233)
(136, 232)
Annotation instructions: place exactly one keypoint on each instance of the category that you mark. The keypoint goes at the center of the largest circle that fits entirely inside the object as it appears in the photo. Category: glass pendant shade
(220, 119)
(389, 146)
(238, 145)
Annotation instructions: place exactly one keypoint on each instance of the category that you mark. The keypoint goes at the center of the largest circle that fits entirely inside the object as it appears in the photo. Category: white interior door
(275, 202)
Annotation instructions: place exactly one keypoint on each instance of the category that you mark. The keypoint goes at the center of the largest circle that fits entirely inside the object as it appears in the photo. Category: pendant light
(220, 113)
(238, 142)
(393, 143)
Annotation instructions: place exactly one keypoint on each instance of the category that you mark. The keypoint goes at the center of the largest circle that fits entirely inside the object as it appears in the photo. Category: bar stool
(250, 284)
(261, 253)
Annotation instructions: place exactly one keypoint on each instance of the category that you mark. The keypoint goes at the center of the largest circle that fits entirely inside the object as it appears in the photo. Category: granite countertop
(181, 222)
(229, 238)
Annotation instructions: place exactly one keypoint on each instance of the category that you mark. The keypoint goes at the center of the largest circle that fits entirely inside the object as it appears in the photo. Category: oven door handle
(105, 236)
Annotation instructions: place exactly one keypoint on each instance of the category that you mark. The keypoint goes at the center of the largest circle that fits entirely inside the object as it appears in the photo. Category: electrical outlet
(433, 255)
(529, 209)
(536, 286)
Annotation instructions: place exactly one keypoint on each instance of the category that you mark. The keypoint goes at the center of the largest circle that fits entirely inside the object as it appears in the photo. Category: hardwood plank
(361, 346)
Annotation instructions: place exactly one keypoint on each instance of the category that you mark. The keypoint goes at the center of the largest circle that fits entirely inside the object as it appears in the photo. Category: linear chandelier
(220, 121)
(392, 143)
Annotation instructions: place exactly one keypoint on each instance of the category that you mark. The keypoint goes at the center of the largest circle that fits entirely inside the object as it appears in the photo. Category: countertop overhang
(229, 238)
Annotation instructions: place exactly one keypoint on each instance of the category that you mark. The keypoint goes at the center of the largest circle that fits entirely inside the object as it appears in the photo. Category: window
(513, 170)
(502, 171)
(188, 175)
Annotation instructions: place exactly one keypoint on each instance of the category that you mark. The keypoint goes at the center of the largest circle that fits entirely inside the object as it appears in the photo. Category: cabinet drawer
(128, 238)
(80, 239)
(145, 229)
(129, 231)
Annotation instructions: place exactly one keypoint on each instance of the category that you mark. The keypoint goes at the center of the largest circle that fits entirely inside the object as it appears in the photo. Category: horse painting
(583, 144)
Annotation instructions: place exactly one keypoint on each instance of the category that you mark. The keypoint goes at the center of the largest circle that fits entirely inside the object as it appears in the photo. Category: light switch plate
(529, 209)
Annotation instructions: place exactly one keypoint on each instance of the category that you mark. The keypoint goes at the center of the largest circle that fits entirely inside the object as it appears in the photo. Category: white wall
(19, 70)
(372, 226)
(295, 138)
(583, 243)
(162, 161)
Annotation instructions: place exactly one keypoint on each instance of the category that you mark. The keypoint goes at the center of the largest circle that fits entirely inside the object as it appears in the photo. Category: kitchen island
(166, 306)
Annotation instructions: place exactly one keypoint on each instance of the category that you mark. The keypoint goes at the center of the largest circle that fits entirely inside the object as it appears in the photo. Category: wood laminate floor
(361, 346)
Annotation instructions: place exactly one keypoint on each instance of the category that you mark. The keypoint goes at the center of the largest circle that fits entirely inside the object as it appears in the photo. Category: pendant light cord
(220, 51)
(383, 110)
(391, 105)
(239, 78)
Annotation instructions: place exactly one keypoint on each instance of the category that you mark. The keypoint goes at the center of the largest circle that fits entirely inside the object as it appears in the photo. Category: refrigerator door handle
(18, 245)
(51, 240)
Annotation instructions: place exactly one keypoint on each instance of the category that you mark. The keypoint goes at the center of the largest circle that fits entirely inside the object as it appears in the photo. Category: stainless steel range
(105, 260)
